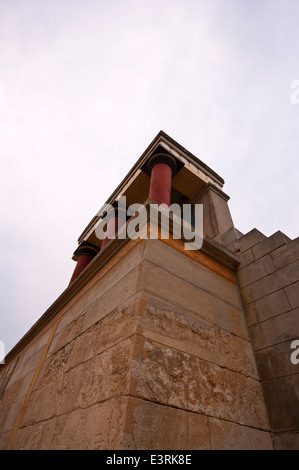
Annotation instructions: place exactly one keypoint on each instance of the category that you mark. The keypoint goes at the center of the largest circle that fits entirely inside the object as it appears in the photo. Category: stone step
(247, 241)
(286, 253)
(270, 244)
(229, 236)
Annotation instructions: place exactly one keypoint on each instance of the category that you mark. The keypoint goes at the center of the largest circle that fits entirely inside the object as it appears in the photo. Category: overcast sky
(85, 85)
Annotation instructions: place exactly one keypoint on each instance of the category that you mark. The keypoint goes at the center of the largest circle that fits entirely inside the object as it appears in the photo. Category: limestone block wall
(269, 284)
(79, 397)
(152, 352)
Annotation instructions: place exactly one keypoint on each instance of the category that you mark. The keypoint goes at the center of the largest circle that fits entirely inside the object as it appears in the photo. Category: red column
(161, 167)
(85, 252)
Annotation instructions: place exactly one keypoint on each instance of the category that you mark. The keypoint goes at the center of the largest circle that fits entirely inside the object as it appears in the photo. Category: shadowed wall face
(268, 280)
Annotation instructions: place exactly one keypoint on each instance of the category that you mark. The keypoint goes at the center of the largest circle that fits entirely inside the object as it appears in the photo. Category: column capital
(162, 158)
(86, 248)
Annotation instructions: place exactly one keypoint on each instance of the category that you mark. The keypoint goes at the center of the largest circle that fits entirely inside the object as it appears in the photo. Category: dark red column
(161, 167)
(85, 252)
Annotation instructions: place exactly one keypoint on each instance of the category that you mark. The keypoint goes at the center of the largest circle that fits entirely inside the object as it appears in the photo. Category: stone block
(229, 236)
(248, 240)
(175, 262)
(127, 287)
(185, 295)
(117, 325)
(27, 366)
(5, 436)
(29, 437)
(281, 396)
(226, 435)
(177, 379)
(80, 349)
(179, 330)
(100, 378)
(44, 403)
(275, 330)
(54, 366)
(274, 361)
(286, 254)
(17, 389)
(150, 426)
(9, 415)
(246, 257)
(98, 427)
(275, 281)
(255, 271)
(292, 292)
(267, 307)
(286, 441)
(31, 351)
(66, 335)
(270, 244)
(106, 375)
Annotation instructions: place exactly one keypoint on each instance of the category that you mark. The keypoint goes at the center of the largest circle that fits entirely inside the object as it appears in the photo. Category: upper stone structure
(166, 173)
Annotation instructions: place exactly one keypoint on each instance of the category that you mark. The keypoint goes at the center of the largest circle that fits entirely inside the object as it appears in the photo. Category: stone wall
(152, 352)
(268, 277)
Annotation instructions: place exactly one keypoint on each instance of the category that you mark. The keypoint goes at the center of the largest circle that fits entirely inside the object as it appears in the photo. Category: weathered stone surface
(80, 348)
(150, 426)
(169, 286)
(54, 366)
(282, 396)
(231, 436)
(293, 294)
(274, 361)
(66, 335)
(97, 427)
(286, 441)
(256, 270)
(270, 244)
(267, 307)
(183, 332)
(44, 403)
(118, 325)
(178, 379)
(275, 330)
(106, 375)
(29, 438)
(98, 379)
